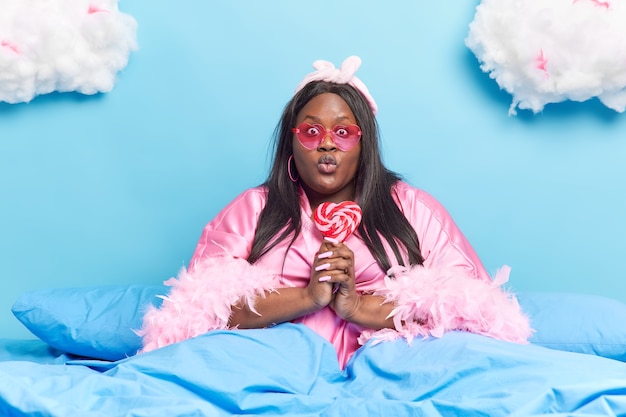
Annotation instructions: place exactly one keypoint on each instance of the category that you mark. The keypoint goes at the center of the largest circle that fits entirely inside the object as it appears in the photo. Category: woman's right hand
(320, 291)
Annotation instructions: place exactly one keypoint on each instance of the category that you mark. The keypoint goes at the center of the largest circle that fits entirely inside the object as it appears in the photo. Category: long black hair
(381, 215)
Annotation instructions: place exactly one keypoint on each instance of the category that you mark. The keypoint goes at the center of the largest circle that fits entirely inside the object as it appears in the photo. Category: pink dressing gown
(442, 244)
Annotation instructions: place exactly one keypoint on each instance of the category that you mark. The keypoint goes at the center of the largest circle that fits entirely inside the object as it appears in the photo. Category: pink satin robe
(442, 243)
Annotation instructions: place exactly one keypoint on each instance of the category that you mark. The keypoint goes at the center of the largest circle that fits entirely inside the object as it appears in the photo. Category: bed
(84, 363)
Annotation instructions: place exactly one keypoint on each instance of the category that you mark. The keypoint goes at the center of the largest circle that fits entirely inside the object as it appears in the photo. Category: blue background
(115, 188)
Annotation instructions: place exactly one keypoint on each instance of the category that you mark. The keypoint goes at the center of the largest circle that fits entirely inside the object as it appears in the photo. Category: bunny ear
(326, 71)
(348, 69)
(321, 65)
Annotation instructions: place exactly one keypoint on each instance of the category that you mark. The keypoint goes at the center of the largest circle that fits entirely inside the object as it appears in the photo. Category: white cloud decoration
(62, 45)
(549, 51)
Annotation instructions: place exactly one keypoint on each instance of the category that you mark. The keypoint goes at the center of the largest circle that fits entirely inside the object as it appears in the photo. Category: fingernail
(330, 239)
(324, 278)
(335, 288)
(325, 255)
(322, 267)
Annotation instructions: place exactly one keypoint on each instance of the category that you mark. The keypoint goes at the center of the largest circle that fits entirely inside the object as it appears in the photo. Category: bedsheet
(290, 370)
(33, 350)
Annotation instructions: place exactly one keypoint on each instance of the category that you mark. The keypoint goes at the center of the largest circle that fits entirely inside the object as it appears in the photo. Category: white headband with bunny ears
(326, 71)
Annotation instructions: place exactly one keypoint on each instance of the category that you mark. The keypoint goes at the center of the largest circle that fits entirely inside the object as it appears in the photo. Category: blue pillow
(580, 323)
(98, 322)
(94, 322)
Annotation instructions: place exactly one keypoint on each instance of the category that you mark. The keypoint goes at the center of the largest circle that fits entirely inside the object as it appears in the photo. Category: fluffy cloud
(550, 51)
(62, 45)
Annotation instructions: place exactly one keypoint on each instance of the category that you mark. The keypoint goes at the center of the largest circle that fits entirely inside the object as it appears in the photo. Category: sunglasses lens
(310, 136)
(346, 137)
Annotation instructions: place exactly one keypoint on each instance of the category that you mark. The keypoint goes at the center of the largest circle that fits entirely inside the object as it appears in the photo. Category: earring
(289, 170)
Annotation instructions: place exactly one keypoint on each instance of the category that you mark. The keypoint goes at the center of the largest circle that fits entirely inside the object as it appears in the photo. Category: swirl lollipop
(337, 221)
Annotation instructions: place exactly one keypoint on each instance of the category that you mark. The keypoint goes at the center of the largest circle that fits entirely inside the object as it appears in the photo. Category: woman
(407, 251)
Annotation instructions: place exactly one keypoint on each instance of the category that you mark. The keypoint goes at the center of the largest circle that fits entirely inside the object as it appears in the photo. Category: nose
(327, 143)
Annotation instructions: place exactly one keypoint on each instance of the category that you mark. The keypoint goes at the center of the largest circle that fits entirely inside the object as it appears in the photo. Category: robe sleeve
(200, 298)
(451, 290)
(441, 241)
(232, 231)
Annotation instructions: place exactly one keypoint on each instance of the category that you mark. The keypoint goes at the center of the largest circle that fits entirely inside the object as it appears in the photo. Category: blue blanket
(290, 370)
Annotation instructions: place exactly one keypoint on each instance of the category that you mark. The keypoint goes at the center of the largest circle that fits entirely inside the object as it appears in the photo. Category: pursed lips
(327, 164)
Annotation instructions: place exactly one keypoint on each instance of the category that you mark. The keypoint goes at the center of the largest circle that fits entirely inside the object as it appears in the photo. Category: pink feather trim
(201, 300)
(431, 301)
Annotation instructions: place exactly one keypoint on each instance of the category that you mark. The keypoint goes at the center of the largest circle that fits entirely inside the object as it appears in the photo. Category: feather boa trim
(431, 301)
(201, 300)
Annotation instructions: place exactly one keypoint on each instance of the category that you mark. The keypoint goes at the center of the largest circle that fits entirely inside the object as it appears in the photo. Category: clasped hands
(332, 280)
